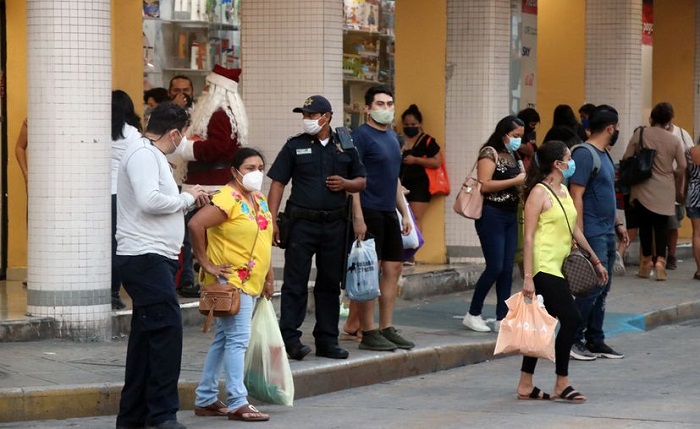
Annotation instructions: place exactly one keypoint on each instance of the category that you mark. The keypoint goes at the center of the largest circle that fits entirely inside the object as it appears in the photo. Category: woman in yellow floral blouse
(238, 250)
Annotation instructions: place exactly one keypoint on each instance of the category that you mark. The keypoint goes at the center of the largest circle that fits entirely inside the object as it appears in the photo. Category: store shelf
(363, 33)
(358, 80)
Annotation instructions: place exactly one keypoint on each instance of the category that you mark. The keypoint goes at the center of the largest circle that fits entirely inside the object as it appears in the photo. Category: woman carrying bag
(232, 240)
(547, 243)
(654, 199)
(501, 179)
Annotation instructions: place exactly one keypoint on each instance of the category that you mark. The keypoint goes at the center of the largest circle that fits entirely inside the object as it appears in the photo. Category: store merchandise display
(188, 37)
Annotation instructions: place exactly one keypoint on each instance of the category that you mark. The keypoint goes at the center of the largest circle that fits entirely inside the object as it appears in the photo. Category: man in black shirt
(322, 175)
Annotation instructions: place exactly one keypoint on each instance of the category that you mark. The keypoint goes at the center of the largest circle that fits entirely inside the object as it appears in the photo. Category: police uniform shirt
(308, 163)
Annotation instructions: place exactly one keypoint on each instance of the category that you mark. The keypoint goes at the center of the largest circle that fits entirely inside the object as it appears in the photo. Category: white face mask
(253, 181)
(311, 126)
(177, 145)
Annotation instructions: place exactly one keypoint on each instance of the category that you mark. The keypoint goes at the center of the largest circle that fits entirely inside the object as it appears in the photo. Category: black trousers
(560, 304)
(653, 230)
(326, 241)
(116, 278)
(154, 352)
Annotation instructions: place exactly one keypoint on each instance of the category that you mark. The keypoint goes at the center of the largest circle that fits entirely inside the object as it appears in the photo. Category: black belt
(317, 215)
(198, 167)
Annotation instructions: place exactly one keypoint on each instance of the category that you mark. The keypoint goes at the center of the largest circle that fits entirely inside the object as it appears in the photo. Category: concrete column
(69, 112)
(290, 50)
(478, 81)
(614, 61)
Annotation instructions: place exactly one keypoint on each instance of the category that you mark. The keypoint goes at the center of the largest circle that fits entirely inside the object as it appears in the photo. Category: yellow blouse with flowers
(231, 242)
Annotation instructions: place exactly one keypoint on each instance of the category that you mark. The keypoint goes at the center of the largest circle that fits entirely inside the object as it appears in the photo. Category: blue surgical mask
(514, 143)
(584, 123)
(569, 171)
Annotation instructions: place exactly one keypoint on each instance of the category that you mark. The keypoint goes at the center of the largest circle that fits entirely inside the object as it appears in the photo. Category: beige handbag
(470, 200)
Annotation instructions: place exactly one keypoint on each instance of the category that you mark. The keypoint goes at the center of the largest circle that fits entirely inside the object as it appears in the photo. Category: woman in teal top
(547, 243)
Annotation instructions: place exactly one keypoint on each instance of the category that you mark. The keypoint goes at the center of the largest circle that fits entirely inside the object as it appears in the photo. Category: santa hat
(225, 78)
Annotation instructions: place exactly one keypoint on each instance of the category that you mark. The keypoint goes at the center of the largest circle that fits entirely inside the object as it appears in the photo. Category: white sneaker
(494, 324)
(475, 323)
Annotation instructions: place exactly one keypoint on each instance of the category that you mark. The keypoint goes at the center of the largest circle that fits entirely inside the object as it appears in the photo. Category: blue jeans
(498, 234)
(227, 352)
(592, 307)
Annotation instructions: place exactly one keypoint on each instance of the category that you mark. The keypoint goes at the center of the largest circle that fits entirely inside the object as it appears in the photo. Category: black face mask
(411, 131)
(613, 138)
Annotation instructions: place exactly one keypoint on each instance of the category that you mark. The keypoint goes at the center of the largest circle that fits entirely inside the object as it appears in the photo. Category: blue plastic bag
(362, 277)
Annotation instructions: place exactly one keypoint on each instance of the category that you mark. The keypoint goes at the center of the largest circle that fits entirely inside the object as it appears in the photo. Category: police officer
(322, 174)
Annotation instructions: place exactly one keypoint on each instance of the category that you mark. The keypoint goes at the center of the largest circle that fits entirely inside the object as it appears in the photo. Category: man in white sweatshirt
(149, 236)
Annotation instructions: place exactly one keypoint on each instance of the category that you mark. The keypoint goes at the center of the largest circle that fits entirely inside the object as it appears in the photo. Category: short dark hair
(377, 89)
(180, 76)
(587, 109)
(123, 113)
(529, 115)
(602, 117)
(662, 114)
(165, 117)
(158, 95)
(412, 111)
(244, 153)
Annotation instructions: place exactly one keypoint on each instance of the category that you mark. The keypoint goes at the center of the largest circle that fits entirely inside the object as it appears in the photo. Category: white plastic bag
(362, 277)
(268, 376)
(411, 240)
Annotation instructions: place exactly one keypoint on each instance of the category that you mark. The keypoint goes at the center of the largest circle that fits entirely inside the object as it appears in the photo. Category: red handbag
(438, 178)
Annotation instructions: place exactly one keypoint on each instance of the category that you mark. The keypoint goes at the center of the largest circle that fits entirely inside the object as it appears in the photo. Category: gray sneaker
(374, 340)
(580, 352)
(392, 335)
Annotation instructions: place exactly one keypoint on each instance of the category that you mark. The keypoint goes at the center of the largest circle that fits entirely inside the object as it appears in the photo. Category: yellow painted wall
(127, 72)
(127, 49)
(16, 111)
(421, 45)
(673, 65)
(561, 57)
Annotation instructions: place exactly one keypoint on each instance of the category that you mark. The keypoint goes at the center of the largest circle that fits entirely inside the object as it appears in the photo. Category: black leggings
(560, 304)
(653, 227)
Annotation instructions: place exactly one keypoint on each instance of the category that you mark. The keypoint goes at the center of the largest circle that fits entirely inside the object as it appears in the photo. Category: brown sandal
(218, 408)
(248, 413)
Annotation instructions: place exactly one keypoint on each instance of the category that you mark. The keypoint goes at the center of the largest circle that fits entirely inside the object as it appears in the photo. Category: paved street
(654, 386)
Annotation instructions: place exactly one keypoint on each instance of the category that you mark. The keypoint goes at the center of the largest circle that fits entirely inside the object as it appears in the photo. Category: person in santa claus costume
(219, 128)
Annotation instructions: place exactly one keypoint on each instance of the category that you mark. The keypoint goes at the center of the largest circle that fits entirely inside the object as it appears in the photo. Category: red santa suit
(209, 149)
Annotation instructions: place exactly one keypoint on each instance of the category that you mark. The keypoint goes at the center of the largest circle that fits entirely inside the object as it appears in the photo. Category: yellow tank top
(552, 238)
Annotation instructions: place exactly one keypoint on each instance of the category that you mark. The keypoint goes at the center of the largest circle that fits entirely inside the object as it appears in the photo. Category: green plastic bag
(268, 376)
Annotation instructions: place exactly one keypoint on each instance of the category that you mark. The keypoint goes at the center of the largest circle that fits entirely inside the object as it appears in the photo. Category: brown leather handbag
(218, 300)
(221, 299)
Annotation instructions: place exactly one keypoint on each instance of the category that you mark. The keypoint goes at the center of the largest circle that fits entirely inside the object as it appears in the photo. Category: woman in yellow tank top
(547, 243)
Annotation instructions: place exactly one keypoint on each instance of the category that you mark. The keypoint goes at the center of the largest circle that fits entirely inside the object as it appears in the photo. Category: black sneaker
(392, 335)
(298, 352)
(603, 350)
(671, 263)
(117, 303)
(374, 340)
(189, 290)
(580, 352)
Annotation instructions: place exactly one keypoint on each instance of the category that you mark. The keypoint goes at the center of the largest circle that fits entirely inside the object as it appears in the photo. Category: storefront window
(368, 52)
(188, 37)
(523, 60)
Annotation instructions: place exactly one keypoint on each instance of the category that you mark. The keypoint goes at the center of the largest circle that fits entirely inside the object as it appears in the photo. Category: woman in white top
(126, 129)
